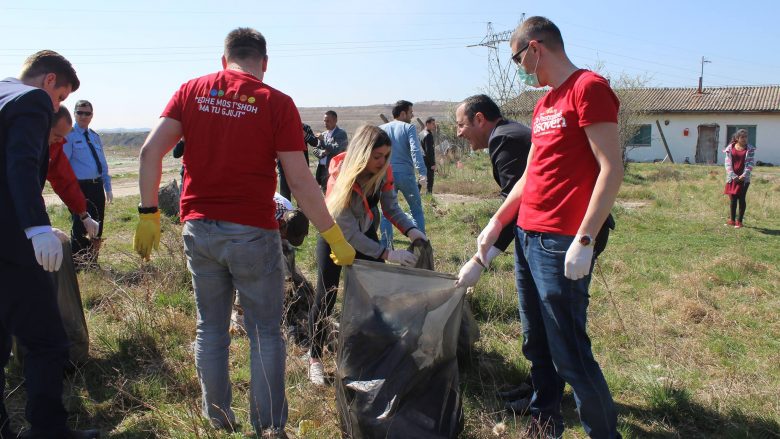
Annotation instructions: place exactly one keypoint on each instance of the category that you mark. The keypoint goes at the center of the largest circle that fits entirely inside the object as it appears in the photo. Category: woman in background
(360, 180)
(740, 156)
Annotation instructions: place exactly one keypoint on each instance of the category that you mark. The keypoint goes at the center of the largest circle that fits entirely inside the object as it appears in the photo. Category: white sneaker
(317, 373)
(237, 326)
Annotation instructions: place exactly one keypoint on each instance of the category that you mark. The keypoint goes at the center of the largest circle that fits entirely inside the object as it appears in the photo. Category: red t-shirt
(233, 125)
(561, 175)
(63, 181)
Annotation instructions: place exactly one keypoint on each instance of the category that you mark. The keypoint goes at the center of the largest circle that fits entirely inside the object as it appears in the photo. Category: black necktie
(94, 153)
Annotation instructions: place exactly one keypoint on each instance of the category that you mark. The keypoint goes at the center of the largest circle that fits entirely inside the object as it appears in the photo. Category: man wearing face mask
(572, 177)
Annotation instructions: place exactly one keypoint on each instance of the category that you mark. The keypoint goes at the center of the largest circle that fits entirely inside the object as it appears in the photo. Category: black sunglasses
(84, 113)
(516, 56)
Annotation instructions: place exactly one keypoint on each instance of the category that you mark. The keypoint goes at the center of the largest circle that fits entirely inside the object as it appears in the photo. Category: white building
(698, 125)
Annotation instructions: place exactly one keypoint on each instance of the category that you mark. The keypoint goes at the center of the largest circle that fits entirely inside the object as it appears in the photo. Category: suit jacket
(509, 144)
(333, 143)
(25, 119)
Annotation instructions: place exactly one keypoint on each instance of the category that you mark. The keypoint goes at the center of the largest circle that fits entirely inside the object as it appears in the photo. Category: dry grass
(683, 319)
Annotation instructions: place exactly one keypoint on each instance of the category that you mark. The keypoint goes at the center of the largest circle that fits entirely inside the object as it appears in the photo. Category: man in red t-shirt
(61, 177)
(572, 177)
(236, 127)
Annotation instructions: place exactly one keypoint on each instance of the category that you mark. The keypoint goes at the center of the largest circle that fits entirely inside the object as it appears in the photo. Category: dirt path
(447, 199)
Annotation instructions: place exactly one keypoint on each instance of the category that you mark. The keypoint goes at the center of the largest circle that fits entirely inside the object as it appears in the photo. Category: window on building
(642, 136)
(751, 129)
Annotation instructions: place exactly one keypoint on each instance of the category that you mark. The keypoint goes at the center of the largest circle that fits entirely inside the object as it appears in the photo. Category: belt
(92, 180)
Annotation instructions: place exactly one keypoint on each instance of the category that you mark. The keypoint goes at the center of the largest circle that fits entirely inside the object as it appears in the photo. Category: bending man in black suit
(31, 247)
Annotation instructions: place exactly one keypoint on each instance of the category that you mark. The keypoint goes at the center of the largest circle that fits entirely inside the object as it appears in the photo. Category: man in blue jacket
(406, 155)
(31, 248)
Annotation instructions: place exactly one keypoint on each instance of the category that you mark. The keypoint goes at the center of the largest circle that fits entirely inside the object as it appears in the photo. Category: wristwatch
(586, 240)
(84, 216)
(151, 209)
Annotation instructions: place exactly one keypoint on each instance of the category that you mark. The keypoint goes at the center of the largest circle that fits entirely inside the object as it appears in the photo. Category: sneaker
(317, 373)
(730, 223)
(738, 225)
(237, 325)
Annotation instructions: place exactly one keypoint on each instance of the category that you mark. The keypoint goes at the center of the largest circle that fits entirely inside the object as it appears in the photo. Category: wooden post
(383, 117)
(663, 138)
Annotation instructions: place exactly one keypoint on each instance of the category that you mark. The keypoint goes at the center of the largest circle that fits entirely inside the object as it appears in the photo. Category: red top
(563, 170)
(738, 160)
(234, 125)
(63, 180)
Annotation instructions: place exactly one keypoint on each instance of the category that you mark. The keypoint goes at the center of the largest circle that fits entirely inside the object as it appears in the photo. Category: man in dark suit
(330, 143)
(31, 247)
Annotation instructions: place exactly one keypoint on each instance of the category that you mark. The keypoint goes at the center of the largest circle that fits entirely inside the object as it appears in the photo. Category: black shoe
(522, 391)
(519, 406)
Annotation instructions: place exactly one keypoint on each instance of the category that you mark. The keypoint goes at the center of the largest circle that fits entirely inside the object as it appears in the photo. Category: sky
(132, 56)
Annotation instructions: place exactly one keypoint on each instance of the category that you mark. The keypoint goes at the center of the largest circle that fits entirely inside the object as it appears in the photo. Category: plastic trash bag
(69, 300)
(397, 374)
(469, 330)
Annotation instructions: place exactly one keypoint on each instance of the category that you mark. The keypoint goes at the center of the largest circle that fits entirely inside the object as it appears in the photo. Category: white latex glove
(48, 250)
(62, 236)
(471, 270)
(414, 234)
(578, 259)
(422, 181)
(92, 227)
(487, 238)
(109, 197)
(403, 257)
(469, 274)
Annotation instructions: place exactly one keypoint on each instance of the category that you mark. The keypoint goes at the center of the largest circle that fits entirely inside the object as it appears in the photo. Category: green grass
(683, 318)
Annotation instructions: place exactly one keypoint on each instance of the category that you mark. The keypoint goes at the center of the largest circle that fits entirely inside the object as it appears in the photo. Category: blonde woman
(360, 180)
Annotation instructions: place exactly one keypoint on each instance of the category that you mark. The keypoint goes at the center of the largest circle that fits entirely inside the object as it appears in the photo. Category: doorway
(707, 144)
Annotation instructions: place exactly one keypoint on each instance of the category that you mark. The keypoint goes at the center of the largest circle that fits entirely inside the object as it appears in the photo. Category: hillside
(350, 118)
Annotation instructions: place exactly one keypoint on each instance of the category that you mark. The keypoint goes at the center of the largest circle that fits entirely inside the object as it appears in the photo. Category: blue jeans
(222, 256)
(407, 185)
(553, 310)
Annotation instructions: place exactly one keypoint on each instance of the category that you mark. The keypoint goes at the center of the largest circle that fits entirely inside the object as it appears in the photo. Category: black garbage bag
(397, 374)
(469, 330)
(71, 311)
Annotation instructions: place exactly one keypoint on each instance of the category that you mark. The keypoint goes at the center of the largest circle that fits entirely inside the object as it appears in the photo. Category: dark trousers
(284, 188)
(328, 274)
(84, 252)
(430, 179)
(29, 311)
(739, 199)
(321, 175)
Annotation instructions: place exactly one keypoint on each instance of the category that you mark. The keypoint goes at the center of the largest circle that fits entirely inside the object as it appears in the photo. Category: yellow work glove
(340, 251)
(147, 234)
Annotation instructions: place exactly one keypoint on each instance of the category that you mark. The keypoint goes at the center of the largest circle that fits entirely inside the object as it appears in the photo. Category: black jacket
(25, 119)
(508, 145)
